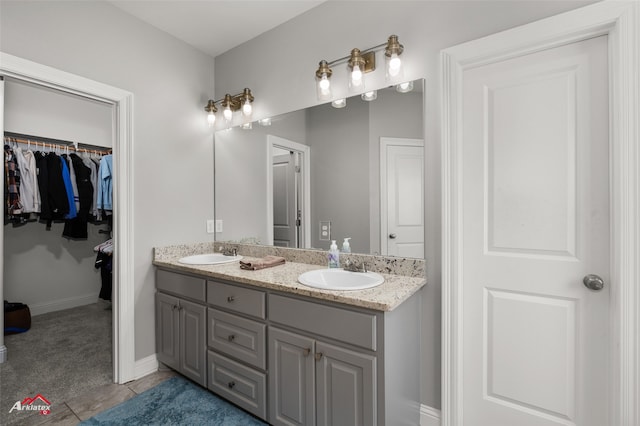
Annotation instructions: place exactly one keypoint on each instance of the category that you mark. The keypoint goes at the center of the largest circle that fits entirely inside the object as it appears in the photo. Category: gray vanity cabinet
(180, 324)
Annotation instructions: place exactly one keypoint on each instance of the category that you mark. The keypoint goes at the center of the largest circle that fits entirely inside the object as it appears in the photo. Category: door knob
(593, 282)
(392, 236)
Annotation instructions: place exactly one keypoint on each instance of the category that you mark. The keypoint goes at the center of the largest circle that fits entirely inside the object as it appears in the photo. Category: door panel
(535, 222)
(284, 201)
(402, 183)
(193, 346)
(291, 379)
(167, 332)
(346, 387)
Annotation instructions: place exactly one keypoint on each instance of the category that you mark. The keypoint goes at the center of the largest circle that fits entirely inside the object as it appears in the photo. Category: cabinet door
(193, 351)
(291, 379)
(346, 385)
(167, 331)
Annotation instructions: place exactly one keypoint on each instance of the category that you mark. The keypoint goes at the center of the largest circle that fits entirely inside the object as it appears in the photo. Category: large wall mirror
(326, 173)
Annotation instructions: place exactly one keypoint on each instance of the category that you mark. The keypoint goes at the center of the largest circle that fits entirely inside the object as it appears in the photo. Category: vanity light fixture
(339, 103)
(369, 96)
(404, 87)
(229, 104)
(359, 63)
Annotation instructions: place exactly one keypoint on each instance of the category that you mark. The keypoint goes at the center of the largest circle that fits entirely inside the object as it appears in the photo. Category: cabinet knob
(231, 299)
(174, 307)
(318, 356)
(231, 384)
(231, 337)
(306, 352)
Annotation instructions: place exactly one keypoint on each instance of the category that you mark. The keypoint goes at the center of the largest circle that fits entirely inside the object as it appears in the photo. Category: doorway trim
(620, 21)
(276, 141)
(122, 101)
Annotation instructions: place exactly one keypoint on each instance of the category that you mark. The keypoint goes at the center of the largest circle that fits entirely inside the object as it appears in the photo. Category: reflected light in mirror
(339, 103)
(405, 87)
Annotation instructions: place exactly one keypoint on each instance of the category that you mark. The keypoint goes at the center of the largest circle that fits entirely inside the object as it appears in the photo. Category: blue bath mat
(175, 401)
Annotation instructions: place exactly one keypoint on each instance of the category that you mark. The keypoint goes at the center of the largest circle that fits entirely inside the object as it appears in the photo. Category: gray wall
(339, 141)
(41, 268)
(172, 145)
(424, 29)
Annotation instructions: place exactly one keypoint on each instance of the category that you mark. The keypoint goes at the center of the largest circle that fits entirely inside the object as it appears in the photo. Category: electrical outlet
(211, 226)
(219, 225)
(325, 231)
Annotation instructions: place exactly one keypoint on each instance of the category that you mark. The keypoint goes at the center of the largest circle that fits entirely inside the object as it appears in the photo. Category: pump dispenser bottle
(334, 255)
(346, 247)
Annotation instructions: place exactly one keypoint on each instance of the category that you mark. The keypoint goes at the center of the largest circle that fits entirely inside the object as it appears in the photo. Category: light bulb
(339, 103)
(324, 84)
(211, 118)
(369, 96)
(394, 65)
(228, 114)
(246, 108)
(356, 76)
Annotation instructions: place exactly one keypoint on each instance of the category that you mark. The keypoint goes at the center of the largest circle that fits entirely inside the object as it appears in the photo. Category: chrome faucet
(230, 252)
(354, 266)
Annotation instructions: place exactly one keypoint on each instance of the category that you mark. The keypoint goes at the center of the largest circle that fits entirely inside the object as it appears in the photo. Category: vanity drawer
(237, 299)
(239, 384)
(237, 337)
(356, 328)
(181, 285)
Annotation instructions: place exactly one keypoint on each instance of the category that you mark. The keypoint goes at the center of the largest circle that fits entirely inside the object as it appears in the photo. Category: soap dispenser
(346, 248)
(334, 255)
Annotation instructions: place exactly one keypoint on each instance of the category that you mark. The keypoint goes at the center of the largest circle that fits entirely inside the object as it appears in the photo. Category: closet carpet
(64, 354)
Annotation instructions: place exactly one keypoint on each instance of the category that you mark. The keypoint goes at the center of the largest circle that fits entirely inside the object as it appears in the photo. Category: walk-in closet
(57, 246)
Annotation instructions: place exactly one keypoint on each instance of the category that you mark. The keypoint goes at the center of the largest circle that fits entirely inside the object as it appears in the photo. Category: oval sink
(209, 259)
(339, 279)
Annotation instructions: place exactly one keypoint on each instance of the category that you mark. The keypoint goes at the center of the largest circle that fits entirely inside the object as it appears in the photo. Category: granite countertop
(386, 297)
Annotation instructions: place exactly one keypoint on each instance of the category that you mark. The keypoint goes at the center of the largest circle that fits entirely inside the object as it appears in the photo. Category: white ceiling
(215, 26)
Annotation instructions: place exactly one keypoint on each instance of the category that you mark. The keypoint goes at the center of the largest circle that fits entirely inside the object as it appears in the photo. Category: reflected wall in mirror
(324, 174)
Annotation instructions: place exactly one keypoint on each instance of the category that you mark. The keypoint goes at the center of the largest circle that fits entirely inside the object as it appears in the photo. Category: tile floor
(72, 412)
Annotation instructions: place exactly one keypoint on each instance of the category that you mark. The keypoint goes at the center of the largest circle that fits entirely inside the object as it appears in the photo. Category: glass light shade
(395, 71)
(370, 96)
(339, 103)
(247, 109)
(211, 118)
(265, 122)
(324, 88)
(228, 114)
(356, 79)
(405, 87)
(247, 126)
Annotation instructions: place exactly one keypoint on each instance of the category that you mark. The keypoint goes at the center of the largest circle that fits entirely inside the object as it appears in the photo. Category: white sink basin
(339, 279)
(209, 259)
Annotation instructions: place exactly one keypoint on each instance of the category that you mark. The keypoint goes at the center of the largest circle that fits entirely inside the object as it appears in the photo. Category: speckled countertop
(386, 297)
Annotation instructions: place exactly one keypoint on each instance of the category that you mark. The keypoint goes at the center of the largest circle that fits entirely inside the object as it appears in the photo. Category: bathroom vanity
(291, 354)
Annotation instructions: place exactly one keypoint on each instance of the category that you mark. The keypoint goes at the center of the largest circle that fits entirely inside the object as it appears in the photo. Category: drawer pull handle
(231, 299)
(318, 356)
(306, 352)
(231, 337)
(231, 385)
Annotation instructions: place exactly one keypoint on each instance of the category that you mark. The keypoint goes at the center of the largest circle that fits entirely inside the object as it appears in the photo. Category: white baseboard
(3, 354)
(429, 416)
(61, 304)
(145, 366)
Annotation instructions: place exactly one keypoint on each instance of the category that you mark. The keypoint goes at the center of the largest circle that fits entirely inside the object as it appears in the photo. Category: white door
(402, 197)
(285, 201)
(535, 206)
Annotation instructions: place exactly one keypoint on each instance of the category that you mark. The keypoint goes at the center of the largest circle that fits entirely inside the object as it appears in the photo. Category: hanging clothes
(53, 193)
(66, 177)
(104, 262)
(76, 228)
(12, 187)
(29, 192)
(105, 187)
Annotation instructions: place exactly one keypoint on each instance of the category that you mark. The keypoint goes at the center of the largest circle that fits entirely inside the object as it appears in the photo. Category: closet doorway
(121, 101)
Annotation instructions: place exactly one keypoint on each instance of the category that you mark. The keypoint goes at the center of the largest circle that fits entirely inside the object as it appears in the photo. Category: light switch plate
(211, 226)
(218, 225)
